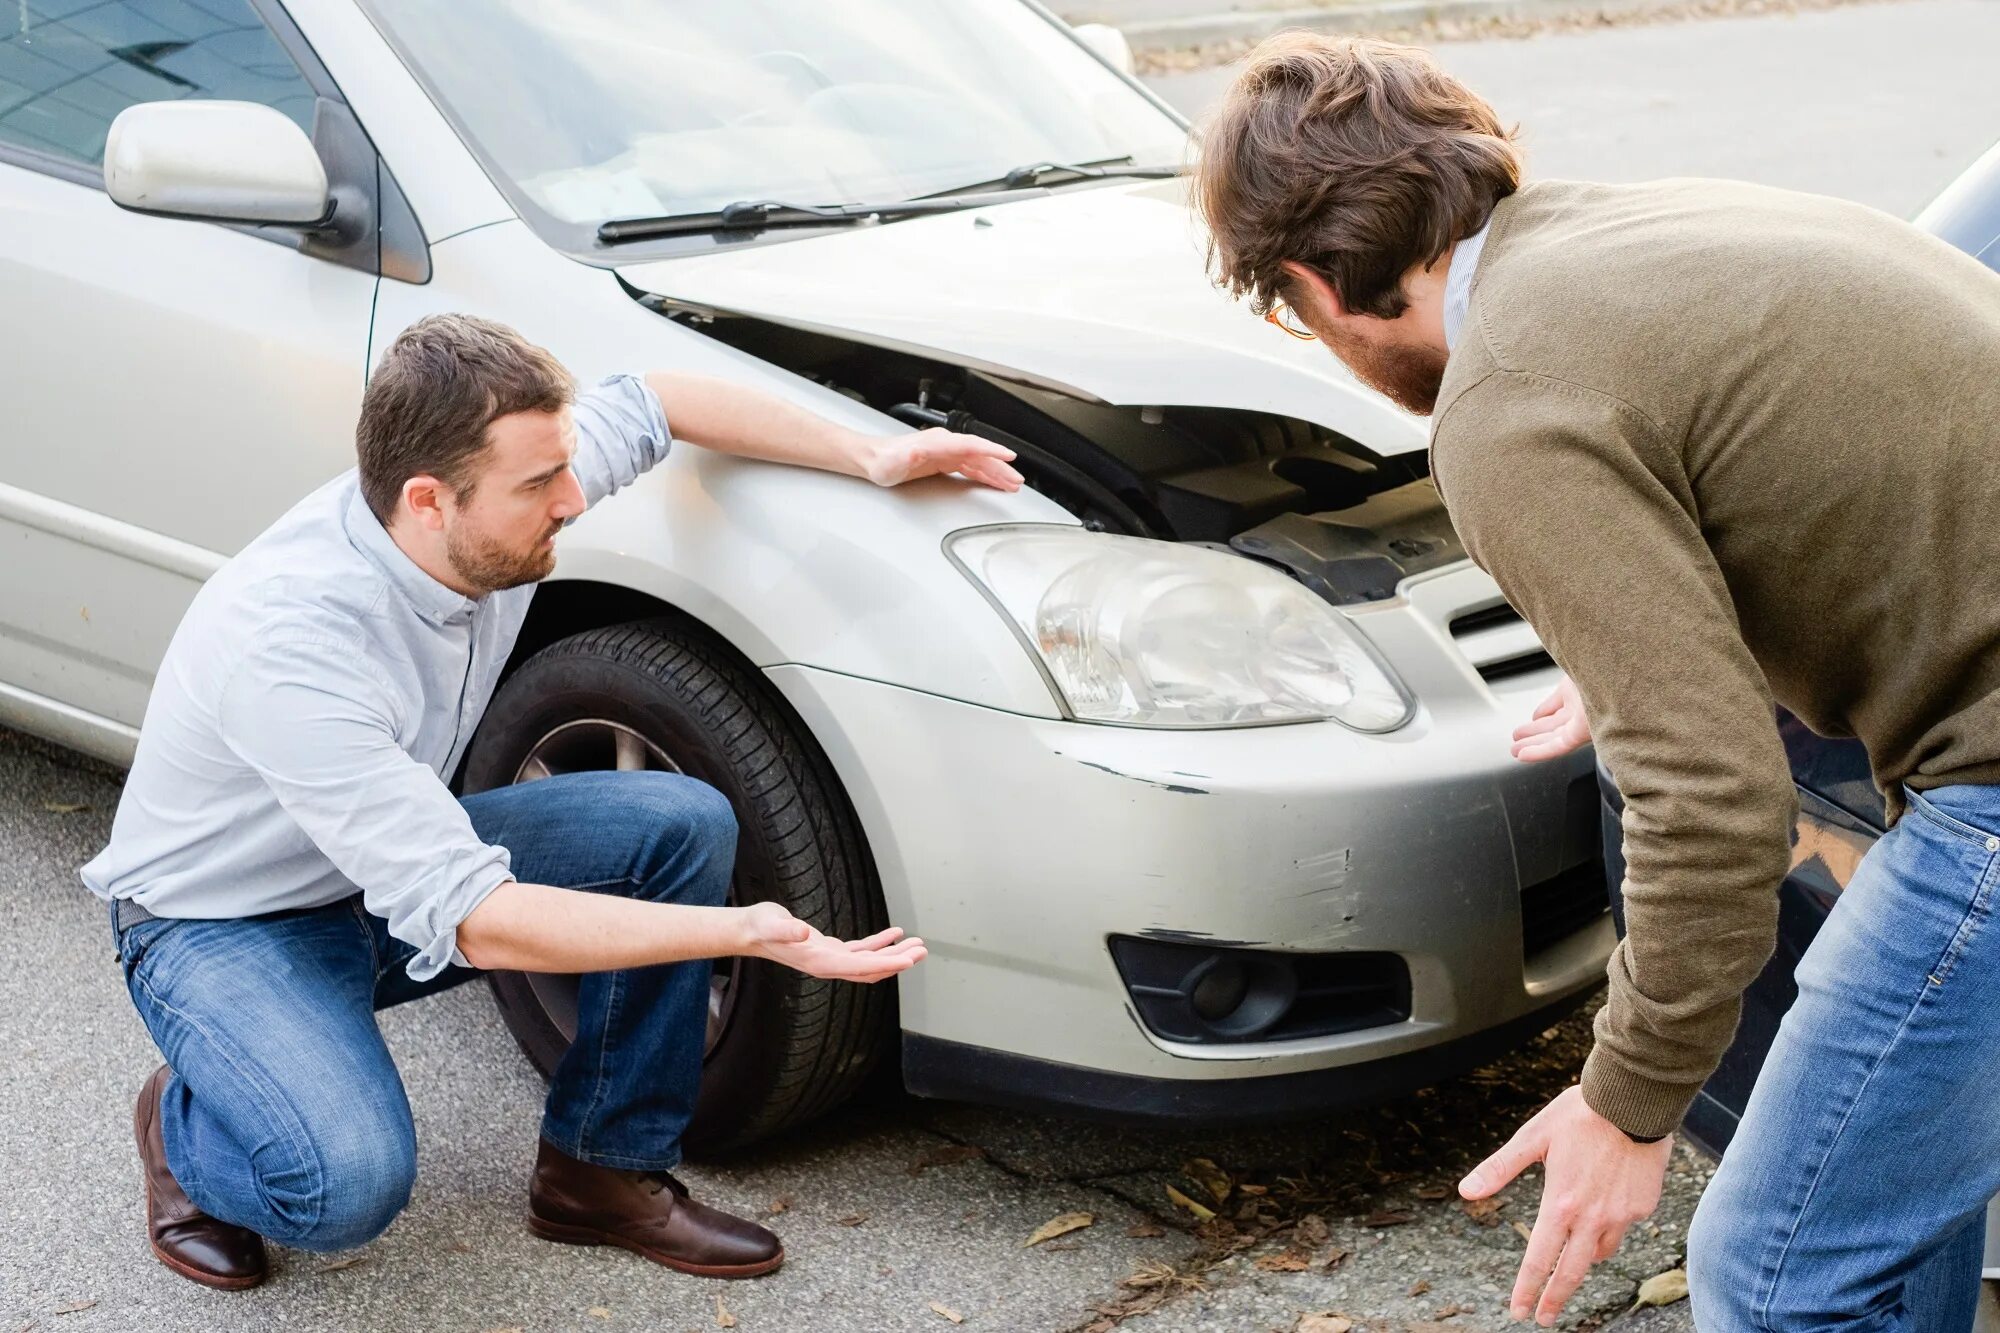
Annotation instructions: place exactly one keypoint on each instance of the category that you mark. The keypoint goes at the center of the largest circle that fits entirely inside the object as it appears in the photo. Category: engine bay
(1348, 523)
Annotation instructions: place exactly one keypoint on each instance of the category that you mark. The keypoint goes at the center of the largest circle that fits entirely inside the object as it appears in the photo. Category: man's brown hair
(1354, 157)
(443, 381)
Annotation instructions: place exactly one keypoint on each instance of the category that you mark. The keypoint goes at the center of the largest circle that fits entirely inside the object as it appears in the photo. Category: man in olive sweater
(1721, 445)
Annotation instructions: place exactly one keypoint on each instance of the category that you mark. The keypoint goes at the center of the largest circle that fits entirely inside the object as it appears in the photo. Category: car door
(169, 386)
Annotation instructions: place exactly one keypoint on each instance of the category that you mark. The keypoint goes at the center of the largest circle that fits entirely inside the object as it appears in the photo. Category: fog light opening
(1240, 997)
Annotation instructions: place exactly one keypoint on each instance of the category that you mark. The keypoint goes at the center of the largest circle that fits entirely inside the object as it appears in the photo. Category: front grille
(1557, 908)
(1498, 643)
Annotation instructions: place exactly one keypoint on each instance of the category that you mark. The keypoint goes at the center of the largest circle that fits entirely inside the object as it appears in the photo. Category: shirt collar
(1458, 283)
(431, 600)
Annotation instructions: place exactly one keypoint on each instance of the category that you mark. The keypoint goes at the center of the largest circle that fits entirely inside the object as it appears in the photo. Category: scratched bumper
(1017, 846)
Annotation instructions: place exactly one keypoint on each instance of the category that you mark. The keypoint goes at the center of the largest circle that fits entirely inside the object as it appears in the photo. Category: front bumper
(1019, 846)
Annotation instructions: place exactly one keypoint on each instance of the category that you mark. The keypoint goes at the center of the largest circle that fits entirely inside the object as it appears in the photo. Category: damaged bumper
(1055, 868)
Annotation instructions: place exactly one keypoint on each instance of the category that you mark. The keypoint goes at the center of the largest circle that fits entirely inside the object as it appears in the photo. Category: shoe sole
(188, 1271)
(567, 1235)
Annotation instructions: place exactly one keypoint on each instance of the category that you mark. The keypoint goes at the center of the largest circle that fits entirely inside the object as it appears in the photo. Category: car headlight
(1155, 634)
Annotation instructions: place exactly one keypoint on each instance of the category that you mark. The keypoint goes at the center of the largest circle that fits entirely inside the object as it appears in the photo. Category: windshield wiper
(758, 214)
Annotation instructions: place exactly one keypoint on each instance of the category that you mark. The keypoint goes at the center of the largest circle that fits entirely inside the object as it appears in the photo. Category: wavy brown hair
(1354, 157)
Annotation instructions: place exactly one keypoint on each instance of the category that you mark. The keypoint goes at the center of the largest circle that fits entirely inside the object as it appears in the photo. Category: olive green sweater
(1722, 444)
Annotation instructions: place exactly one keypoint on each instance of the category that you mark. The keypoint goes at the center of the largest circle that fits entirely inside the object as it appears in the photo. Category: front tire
(782, 1047)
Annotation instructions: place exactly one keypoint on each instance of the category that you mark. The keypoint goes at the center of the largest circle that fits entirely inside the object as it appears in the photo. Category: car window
(68, 67)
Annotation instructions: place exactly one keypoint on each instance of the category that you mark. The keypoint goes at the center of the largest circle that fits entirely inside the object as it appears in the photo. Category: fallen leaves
(1324, 1323)
(1202, 1212)
(604, 1312)
(1486, 1212)
(1432, 1193)
(64, 807)
(1145, 1230)
(1385, 1217)
(723, 1319)
(851, 1220)
(1663, 1288)
(1419, 1287)
(946, 1312)
(1212, 1179)
(75, 1307)
(1060, 1225)
(1284, 1261)
(342, 1265)
(778, 1205)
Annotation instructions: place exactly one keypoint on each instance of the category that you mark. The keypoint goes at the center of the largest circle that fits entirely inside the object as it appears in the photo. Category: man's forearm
(537, 928)
(736, 419)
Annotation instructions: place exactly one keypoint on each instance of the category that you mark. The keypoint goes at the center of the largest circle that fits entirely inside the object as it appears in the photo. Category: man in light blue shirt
(286, 857)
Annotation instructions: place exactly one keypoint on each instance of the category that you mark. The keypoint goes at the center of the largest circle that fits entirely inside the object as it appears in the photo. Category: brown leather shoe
(646, 1212)
(187, 1240)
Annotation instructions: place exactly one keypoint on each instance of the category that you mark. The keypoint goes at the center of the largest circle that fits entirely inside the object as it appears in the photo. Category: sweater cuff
(1644, 1108)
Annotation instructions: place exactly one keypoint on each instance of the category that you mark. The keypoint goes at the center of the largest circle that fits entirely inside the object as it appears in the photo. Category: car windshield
(591, 110)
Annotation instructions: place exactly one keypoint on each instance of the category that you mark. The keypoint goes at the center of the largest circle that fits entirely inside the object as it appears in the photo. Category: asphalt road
(885, 1210)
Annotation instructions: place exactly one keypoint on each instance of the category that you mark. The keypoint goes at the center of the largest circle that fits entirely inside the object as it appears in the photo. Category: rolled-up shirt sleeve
(621, 430)
(310, 718)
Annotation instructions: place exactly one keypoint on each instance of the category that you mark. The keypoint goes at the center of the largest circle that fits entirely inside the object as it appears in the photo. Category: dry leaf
(339, 1265)
(1060, 1225)
(1324, 1323)
(64, 808)
(723, 1319)
(1285, 1261)
(778, 1205)
(1521, 1230)
(1201, 1211)
(1419, 1287)
(1313, 1231)
(75, 1307)
(1253, 1189)
(1452, 1311)
(1334, 1260)
(1663, 1288)
(947, 1312)
(1383, 1217)
(1432, 1193)
(851, 1220)
(460, 1247)
(1145, 1230)
(604, 1311)
(1210, 1177)
(1484, 1211)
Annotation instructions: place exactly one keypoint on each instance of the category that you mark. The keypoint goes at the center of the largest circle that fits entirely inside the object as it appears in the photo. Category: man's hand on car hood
(934, 452)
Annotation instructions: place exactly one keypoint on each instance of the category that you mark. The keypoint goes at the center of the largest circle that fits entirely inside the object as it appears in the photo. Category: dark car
(1840, 812)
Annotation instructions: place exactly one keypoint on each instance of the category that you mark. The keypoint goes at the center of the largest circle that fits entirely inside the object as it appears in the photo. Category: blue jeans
(285, 1113)
(1853, 1193)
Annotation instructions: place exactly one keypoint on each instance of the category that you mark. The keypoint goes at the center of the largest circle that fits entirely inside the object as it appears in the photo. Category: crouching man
(286, 858)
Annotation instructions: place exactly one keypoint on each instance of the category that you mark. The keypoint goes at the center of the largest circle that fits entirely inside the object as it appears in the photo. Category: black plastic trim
(933, 1067)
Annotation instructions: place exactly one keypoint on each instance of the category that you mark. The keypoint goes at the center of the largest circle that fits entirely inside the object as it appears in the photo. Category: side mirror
(1109, 44)
(219, 161)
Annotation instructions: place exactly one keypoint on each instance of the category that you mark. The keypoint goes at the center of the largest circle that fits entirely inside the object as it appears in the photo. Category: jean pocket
(135, 940)
(1929, 809)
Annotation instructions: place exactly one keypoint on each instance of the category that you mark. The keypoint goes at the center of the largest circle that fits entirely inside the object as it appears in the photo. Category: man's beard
(1408, 374)
(490, 567)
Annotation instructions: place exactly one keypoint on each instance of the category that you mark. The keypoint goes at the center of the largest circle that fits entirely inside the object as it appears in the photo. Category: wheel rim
(593, 745)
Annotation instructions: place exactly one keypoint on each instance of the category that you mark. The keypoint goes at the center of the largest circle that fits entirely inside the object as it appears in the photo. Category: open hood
(1099, 292)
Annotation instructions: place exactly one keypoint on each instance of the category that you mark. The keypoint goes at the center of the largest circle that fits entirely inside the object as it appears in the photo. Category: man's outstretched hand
(927, 453)
(1558, 726)
(781, 937)
(1596, 1183)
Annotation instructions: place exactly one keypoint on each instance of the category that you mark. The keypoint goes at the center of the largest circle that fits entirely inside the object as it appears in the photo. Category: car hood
(1100, 292)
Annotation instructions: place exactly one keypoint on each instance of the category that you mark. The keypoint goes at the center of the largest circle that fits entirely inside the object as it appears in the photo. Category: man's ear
(423, 499)
(1313, 291)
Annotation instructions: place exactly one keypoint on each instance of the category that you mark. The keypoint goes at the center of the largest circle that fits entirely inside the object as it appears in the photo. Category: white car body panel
(1099, 292)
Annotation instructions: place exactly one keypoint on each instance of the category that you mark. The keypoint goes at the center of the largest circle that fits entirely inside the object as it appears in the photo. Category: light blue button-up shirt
(1458, 283)
(311, 707)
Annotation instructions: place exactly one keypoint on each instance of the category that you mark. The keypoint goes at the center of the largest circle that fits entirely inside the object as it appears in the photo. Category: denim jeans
(285, 1113)
(1854, 1191)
